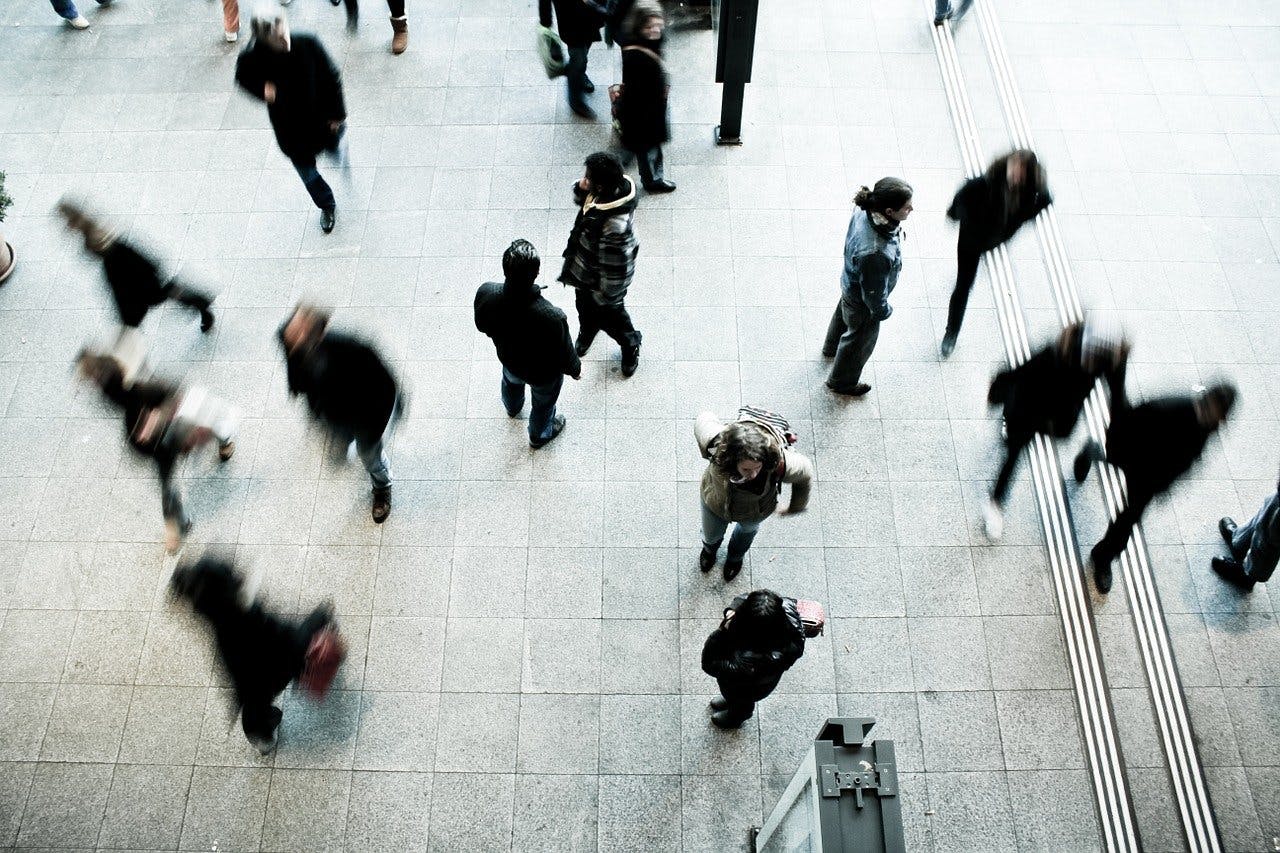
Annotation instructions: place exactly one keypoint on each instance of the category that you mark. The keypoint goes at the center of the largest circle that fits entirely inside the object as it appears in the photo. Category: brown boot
(400, 39)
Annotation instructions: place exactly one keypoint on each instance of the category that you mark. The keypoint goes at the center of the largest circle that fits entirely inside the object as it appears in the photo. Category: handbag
(552, 52)
(812, 616)
(325, 653)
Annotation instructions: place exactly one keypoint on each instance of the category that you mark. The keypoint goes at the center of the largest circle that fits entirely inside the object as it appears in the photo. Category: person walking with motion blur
(1154, 444)
(294, 75)
(990, 209)
(642, 101)
(600, 257)
(579, 23)
(872, 261)
(1046, 394)
(165, 423)
(261, 652)
(348, 388)
(69, 13)
(748, 461)
(943, 11)
(755, 644)
(532, 337)
(1255, 547)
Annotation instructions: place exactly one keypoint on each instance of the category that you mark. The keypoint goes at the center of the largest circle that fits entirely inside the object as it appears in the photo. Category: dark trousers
(575, 73)
(966, 273)
(1013, 447)
(260, 717)
(320, 191)
(542, 414)
(189, 297)
(1118, 532)
(650, 163)
(613, 320)
(1253, 547)
(851, 338)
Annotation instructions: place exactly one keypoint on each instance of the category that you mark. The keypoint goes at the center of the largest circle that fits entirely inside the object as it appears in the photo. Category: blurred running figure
(293, 74)
(579, 23)
(1154, 444)
(1255, 547)
(349, 389)
(990, 209)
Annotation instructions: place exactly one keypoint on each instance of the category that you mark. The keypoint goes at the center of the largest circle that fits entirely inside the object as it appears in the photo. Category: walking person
(872, 261)
(294, 75)
(67, 9)
(261, 652)
(1046, 394)
(600, 257)
(755, 644)
(578, 22)
(748, 461)
(164, 423)
(349, 390)
(943, 11)
(399, 22)
(532, 339)
(642, 104)
(990, 209)
(1154, 444)
(1255, 547)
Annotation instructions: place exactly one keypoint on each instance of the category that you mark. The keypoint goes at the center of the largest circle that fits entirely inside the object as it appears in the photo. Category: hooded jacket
(751, 674)
(734, 502)
(872, 261)
(346, 384)
(531, 335)
(308, 92)
(600, 256)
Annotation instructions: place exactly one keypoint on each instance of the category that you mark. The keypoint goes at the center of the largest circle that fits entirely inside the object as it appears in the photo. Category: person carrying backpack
(760, 638)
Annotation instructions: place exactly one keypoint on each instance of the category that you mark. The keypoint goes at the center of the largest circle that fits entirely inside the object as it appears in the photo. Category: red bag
(812, 616)
(325, 654)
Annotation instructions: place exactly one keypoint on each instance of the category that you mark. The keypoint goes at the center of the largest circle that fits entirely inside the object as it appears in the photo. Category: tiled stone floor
(526, 627)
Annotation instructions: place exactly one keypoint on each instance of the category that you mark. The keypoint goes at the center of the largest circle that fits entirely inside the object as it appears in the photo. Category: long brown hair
(743, 441)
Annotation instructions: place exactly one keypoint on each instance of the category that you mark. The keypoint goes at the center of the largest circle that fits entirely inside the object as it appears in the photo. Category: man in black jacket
(579, 23)
(1154, 444)
(532, 337)
(600, 257)
(349, 389)
(300, 84)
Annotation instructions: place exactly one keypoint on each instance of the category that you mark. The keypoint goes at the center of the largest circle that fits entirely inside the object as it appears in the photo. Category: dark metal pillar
(735, 25)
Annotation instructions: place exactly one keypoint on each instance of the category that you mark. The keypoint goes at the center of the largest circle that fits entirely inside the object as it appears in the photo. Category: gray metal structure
(734, 22)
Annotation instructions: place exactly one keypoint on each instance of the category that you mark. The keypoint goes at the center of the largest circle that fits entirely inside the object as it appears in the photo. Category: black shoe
(719, 703)
(1227, 527)
(1233, 573)
(938, 21)
(630, 361)
(1101, 570)
(206, 320)
(328, 218)
(731, 569)
(663, 186)
(381, 504)
(580, 346)
(722, 720)
(948, 345)
(706, 559)
(588, 86)
(1085, 459)
(858, 390)
(830, 354)
(580, 108)
(557, 426)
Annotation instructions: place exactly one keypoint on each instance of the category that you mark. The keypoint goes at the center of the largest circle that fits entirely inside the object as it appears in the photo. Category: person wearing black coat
(262, 652)
(990, 209)
(759, 639)
(642, 107)
(294, 75)
(578, 22)
(1154, 444)
(532, 338)
(348, 388)
(136, 282)
(1046, 394)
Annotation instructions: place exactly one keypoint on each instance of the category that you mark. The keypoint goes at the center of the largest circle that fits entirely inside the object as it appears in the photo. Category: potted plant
(8, 258)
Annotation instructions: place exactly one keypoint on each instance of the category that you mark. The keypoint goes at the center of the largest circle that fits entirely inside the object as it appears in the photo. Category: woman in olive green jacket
(748, 464)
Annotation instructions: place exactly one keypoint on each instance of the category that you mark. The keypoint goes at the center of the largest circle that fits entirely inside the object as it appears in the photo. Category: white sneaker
(993, 520)
(79, 22)
(231, 36)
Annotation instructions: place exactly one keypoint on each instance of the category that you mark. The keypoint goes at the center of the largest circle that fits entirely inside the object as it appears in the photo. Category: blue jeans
(713, 528)
(317, 187)
(67, 8)
(942, 9)
(543, 411)
(1252, 544)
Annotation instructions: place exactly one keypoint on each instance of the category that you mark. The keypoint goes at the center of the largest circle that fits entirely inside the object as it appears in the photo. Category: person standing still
(578, 22)
(749, 652)
(1255, 547)
(294, 75)
(872, 261)
(532, 338)
(600, 257)
(642, 107)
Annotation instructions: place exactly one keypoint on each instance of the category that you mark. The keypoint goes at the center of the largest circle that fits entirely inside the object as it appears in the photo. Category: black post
(735, 23)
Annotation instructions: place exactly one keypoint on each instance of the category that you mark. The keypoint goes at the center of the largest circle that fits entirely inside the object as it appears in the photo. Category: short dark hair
(520, 262)
(1223, 396)
(604, 171)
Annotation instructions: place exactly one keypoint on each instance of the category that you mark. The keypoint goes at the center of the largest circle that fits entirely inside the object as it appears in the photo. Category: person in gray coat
(1255, 547)
(872, 260)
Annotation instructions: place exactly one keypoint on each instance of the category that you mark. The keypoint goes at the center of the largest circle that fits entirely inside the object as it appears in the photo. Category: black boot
(630, 360)
(1092, 452)
(706, 559)
(381, 504)
(722, 720)
(731, 569)
(1101, 570)
(206, 320)
(328, 218)
(719, 703)
(1227, 527)
(1233, 573)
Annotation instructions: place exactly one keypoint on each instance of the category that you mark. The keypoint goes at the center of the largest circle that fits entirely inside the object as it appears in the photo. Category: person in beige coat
(748, 463)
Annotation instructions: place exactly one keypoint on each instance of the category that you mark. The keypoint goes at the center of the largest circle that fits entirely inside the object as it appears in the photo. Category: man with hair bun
(872, 261)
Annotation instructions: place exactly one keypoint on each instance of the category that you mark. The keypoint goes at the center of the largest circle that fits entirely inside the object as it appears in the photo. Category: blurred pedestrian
(261, 652)
(600, 258)
(990, 209)
(532, 338)
(748, 461)
(642, 104)
(872, 261)
(747, 655)
(349, 390)
(231, 20)
(1154, 444)
(399, 22)
(164, 423)
(578, 22)
(67, 9)
(1046, 394)
(294, 75)
(1255, 547)
(943, 11)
